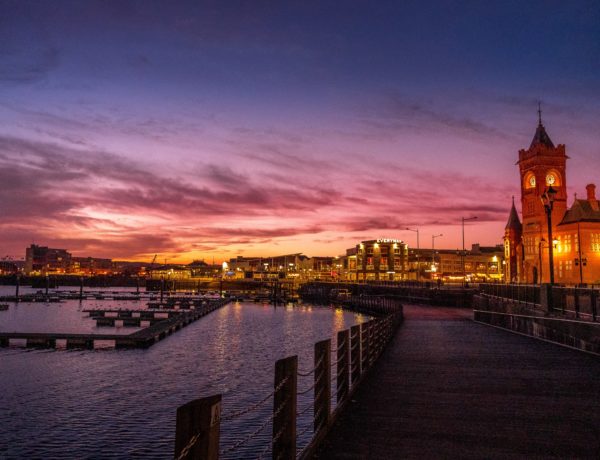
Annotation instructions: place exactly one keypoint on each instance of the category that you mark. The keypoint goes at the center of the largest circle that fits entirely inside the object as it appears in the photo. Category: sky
(201, 130)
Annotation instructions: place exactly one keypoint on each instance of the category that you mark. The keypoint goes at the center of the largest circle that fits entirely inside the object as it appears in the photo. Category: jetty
(161, 325)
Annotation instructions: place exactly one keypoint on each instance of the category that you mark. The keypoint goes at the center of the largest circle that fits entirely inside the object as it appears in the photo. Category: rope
(191, 443)
(306, 374)
(255, 432)
(307, 390)
(303, 411)
(254, 406)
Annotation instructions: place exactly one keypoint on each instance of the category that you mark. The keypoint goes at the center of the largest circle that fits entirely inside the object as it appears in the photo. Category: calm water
(122, 403)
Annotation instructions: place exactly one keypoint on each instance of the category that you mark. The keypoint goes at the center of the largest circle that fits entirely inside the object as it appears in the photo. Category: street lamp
(548, 198)
(464, 219)
(433, 237)
(418, 264)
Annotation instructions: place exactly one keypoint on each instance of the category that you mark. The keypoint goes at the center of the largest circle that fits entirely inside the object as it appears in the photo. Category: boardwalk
(451, 388)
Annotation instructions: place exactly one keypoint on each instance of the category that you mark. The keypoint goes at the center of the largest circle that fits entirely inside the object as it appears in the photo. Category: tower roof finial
(540, 112)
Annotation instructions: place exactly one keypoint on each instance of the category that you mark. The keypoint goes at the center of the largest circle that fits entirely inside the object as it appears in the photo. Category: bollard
(322, 384)
(343, 362)
(47, 284)
(356, 365)
(137, 285)
(364, 345)
(284, 408)
(81, 288)
(198, 419)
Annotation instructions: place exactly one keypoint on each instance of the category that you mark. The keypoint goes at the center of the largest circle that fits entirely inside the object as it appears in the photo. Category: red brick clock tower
(541, 165)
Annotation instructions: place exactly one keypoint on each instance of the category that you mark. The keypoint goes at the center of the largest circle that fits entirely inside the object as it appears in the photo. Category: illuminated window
(595, 237)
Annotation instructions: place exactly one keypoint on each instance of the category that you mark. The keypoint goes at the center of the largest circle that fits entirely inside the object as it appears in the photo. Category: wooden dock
(451, 388)
(144, 338)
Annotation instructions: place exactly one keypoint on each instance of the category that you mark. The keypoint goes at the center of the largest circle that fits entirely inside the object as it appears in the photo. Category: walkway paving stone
(451, 388)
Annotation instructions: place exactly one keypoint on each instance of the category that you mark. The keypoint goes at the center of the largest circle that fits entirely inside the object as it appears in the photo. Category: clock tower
(542, 165)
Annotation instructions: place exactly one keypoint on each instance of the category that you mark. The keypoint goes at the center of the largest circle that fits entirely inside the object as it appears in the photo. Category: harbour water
(122, 403)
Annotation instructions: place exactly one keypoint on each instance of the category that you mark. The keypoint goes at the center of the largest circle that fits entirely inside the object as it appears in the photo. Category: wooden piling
(199, 419)
(284, 408)
(322, 384)
(343, 365)
(17, 288)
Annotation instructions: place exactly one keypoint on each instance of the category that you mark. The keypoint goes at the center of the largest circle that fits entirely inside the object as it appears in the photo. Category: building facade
(44, 260)
(575, 230)
(377, 260)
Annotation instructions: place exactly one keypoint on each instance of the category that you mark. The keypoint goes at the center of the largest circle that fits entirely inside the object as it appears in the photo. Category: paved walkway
(450, 388)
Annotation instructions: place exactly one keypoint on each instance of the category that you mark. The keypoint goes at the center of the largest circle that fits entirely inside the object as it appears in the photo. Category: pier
(159, 328)
(449, 387)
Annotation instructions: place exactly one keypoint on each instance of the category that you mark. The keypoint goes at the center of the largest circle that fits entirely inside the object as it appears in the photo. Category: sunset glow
(199, 132)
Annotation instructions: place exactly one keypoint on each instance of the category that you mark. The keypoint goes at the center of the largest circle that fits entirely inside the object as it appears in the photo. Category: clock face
(550, 179)
(532, 181)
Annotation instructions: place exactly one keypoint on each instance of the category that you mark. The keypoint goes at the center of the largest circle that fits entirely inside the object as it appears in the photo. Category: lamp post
(433, 237)
(418, 262)
(542, 241)
(548, 201)
(580, 260)
(464, 219)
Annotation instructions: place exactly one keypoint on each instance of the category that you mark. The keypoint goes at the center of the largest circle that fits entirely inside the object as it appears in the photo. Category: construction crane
(151, 266)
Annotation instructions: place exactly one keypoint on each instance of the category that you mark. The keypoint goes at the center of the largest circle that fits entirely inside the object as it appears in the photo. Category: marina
(116, 403)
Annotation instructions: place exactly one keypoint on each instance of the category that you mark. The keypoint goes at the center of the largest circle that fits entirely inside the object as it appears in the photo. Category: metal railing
(570, 302)
(356, 350)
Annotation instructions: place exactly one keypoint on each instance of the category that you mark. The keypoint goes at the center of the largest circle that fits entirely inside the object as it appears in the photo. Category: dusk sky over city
(214, 129)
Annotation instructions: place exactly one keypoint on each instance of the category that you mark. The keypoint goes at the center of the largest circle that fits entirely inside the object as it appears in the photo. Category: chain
(306, 374)
(191, 443)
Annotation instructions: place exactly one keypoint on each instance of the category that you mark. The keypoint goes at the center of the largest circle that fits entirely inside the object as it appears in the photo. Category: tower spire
(540, 112)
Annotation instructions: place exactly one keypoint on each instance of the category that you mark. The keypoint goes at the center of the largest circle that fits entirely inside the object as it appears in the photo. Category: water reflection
(121, 403)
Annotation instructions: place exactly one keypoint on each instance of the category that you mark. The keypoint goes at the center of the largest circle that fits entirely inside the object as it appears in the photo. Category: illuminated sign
(388, 240)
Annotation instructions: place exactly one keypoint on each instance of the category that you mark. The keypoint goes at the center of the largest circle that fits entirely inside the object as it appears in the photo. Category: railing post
(322, 384)
(343, 361)
(593, 302)
(198, 429)
(364, 340)
(284, 408)
(356, 364)
(576, 295)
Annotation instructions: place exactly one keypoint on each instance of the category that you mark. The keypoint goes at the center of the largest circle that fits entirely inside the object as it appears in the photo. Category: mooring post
(47, 284)
(343, 365)
(356, 366)
(81, 288)
(198, 429)
(162, 289)
(17, 287)
(322, 384)
(137, 285)
(284, 408)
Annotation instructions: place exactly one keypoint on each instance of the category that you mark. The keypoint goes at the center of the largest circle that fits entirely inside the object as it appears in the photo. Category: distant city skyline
(202, 130)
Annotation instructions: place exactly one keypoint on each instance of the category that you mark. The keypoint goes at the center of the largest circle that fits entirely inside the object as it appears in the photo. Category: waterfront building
(575, 230)
(481, 263)
(377, 260)
(43, 260)
(91, 266)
